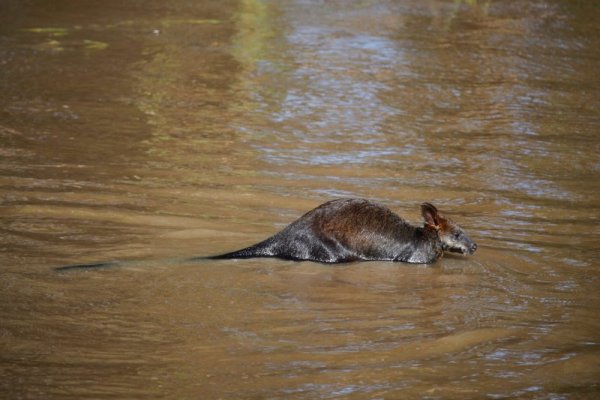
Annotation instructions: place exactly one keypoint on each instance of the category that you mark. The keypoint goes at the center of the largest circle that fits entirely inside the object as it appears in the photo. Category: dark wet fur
(356, 229)
(349, 230)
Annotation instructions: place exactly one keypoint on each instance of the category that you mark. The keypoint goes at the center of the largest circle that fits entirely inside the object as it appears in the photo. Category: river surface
(152, 131)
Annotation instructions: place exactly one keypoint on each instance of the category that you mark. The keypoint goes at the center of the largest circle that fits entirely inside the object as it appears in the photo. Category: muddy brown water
(158, 130)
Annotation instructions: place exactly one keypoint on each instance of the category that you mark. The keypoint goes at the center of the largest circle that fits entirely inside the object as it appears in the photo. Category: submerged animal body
(356, 229)
(348, 230)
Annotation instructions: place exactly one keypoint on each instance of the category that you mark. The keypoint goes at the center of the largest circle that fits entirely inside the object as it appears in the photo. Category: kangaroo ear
(430, 215)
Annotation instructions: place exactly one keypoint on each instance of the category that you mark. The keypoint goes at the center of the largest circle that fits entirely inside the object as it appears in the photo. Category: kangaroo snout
(473, 248)
(453, 237)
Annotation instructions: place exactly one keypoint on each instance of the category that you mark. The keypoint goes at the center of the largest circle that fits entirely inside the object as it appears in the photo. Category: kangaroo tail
(76, 267)
(244, 253)
(258, 250)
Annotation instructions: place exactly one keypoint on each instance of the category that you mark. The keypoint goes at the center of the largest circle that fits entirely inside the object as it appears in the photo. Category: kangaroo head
(453, 238)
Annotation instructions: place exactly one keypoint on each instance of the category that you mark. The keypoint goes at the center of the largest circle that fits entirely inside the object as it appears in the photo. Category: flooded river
(157, 130)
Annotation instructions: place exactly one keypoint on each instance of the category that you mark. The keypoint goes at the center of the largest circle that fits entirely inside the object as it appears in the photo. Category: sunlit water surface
(159, 130)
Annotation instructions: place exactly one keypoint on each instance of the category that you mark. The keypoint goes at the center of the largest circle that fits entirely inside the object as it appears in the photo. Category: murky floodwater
(155, 130)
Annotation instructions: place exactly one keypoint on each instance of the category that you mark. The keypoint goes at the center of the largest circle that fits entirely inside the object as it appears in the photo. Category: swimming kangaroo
(352, 230)
(356, 229)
